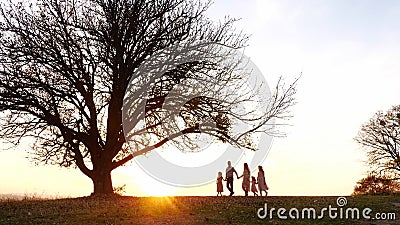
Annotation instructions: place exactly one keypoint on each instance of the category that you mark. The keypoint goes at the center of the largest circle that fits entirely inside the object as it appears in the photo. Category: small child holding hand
(220, 187)
(253, 186)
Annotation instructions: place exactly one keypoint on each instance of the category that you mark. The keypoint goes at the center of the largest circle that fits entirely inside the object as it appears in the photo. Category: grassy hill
(188, 210)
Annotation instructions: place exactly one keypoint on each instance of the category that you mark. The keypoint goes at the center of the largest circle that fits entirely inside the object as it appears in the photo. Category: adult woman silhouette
(246, 179)
(262, 185)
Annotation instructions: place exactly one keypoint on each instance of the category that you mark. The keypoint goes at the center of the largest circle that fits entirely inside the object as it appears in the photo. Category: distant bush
(373, 185)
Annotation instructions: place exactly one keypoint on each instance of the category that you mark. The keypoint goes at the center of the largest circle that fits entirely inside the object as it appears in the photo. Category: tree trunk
(102, 183)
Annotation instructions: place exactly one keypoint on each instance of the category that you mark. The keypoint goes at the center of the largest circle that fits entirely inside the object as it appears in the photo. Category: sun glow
(159, 190)
(138, 183)
(156, 206)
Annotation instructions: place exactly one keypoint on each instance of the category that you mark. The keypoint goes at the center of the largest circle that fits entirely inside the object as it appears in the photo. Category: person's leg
(228, 184)
(247, 189)
(232, 187)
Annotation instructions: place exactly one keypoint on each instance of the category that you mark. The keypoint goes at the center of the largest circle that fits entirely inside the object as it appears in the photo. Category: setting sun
(138, 183)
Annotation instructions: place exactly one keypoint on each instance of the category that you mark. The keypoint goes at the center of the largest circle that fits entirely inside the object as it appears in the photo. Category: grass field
(185, 210)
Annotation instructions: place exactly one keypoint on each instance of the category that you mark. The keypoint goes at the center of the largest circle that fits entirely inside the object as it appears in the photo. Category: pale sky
(349, 54)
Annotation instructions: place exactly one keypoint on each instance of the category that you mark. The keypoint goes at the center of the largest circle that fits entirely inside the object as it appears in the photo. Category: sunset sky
(349, 55)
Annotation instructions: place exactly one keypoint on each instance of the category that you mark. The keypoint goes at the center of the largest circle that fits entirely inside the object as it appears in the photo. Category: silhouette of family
(230, 170)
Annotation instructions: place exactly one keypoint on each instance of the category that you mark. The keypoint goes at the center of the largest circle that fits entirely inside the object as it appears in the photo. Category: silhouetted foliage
(372, 185)
(65, 67)
(381, 139)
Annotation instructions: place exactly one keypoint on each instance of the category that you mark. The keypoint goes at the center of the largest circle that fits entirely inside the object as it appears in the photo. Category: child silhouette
(253, 186)
(220, 187)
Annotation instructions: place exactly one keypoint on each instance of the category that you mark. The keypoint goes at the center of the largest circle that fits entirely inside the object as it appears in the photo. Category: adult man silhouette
(229, 177)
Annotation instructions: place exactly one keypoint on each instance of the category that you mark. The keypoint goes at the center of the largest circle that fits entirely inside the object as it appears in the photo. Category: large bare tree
(68, 66)
(381, 139)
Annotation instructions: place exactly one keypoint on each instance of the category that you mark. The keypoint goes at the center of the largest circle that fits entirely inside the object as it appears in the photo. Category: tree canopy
(381, 139)
(372, 185)
(68, 67)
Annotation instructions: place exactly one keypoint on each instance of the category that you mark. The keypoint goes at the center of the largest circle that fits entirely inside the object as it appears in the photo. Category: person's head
(246, 166)
(260, 168)
(219, 174)
(229, 163)
(253, 178)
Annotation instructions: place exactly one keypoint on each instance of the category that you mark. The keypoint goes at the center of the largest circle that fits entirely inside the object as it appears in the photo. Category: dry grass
(178, 210)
